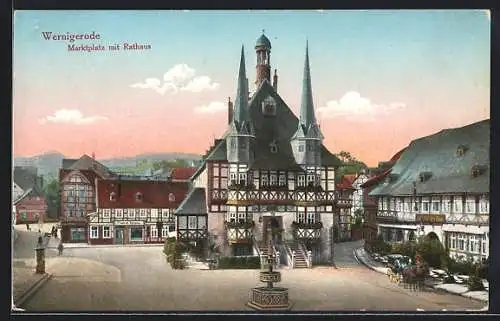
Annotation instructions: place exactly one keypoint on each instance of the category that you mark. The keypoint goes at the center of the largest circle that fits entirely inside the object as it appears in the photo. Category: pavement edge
(33, 289)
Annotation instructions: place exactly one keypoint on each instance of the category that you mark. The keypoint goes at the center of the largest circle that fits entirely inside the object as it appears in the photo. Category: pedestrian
(60, 248)
(28, 227)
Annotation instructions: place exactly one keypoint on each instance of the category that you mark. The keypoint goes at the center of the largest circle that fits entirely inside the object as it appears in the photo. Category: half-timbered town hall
(269, 174)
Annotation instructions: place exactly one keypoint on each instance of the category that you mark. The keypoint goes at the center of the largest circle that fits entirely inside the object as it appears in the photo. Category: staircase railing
(288, 254)
(276, 254)
(255, 245)
(306, 253)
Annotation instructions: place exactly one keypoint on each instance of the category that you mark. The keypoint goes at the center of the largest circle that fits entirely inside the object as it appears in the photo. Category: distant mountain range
(49, 163)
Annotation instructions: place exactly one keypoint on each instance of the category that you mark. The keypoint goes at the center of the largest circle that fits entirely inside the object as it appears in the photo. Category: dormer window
(301, 148)
(273, 147)
(393, 177)
(112, 196)
(424, 176)
(461, 150)
(477, 170)
(269, 107)
(138, 197)
(171, 197)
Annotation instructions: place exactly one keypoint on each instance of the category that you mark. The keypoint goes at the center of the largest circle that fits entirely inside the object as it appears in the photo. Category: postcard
(202, 161)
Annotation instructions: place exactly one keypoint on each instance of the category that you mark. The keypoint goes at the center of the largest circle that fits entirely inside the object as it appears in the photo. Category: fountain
(269, 298)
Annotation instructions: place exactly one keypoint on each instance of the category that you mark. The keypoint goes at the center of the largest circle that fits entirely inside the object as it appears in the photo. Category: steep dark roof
(194, 203)
(279, 128)
(87, 162)
(437, 157)
(25, 177)
(67, 162)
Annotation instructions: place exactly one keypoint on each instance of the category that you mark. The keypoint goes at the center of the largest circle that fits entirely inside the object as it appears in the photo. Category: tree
(167, 165)
(52, 193)
(350, 165)
(432, 252)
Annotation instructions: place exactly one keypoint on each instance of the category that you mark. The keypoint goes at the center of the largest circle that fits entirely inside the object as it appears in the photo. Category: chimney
(275, 80)
(40, 181)
(93, 155)
(229, 110)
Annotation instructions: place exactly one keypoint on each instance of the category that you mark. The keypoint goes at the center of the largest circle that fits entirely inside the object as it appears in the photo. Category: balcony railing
(391, 216)
(307, 231)
(192, 235)
(284, 197)
(239, 232)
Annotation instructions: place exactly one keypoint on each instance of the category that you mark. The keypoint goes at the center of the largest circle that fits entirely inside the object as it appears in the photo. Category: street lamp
(334, 212)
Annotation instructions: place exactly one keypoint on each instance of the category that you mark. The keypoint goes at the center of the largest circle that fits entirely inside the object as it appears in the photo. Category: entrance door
(119, 235)
(276, 225)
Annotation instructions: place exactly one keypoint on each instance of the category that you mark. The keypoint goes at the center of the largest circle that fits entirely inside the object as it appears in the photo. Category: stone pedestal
(40, 260)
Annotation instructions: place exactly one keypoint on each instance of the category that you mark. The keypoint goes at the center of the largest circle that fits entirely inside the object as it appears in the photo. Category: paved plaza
(139, 278)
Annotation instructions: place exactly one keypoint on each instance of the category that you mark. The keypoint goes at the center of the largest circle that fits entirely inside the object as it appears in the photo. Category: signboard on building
(129, 222)
(430, 218)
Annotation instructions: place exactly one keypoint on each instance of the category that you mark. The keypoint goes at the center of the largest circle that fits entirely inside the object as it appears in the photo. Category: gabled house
(28, 198)
(77, 182)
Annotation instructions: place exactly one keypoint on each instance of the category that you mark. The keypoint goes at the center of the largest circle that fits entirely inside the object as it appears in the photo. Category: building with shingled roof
(440, 187)
(77, 179)
(269, 170)
(28, 199)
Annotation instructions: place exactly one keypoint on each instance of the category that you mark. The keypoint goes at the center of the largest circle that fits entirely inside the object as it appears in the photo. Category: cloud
(200, 84)
(178, 74)
(356, 108)
(71, 116)
(156, 85)
(211, 108)
(180, 77)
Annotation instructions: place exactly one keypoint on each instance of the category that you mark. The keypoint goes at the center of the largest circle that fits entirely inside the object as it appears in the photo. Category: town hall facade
(269, 174)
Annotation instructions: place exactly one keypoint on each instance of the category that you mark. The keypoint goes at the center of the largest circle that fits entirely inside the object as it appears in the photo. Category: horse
(414, 276)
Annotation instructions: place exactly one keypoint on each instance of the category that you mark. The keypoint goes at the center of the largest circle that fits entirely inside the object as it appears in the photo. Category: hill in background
(48, 164)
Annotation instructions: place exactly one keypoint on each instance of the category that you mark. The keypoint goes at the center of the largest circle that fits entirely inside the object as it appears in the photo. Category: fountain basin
(267, 276)
(264, 298)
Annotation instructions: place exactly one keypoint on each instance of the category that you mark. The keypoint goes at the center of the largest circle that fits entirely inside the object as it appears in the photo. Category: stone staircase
(300, 256)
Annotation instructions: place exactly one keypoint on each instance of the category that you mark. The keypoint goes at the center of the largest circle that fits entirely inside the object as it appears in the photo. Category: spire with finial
(307, 117)
(308, 125)
(240, 114)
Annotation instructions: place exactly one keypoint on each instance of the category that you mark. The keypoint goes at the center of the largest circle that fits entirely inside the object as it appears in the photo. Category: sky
(380, 78)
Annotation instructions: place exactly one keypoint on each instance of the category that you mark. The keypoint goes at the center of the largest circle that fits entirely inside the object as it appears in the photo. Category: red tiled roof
(183, 173)
(376, 179)
(346, 182)
(155, 194)
(395, 158)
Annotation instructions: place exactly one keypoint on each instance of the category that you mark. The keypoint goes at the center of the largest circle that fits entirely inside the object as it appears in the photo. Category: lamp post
(334, 213)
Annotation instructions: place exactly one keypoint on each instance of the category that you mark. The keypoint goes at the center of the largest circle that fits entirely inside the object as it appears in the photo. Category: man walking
(60, 248)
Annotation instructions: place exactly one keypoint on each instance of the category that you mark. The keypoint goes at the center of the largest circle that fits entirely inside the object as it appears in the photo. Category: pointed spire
(241, 101)
(307, 117)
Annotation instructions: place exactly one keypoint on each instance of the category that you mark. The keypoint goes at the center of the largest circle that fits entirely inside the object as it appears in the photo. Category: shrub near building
(239, 262)
(173, 251)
